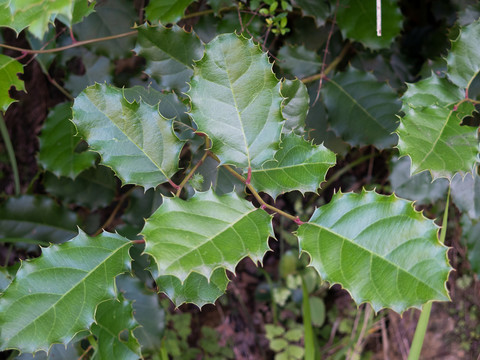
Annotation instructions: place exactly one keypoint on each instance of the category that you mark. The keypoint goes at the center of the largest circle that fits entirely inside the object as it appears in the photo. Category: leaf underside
(379, 249)
(205, 233)
(61, 291)
(134, 139)
(298, 165)
(236, 101)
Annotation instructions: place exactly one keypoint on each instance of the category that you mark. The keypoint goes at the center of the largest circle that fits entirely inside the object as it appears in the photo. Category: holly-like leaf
(169, 53)
(205, 233)
(37, 14)
(318, 9)
(296, 104)
(9, 68)
(132, 138)
(35, 219)
(58, 142)
(113, 327)
(166, 11)
(196, 288)
(299, 61)
(466, 194)
(61, 291)
(462, 60)
(236, 101)
(435, 141)
(361, 110)
(298, 165)
(379, 248)
(146, 310)
(357, 20)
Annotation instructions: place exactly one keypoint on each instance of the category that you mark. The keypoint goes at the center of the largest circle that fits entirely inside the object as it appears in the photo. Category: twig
(114, 212)
(190, 174)
(366, 319)
(385, 345)
(329, 68)
(90, 347)
(11, 153)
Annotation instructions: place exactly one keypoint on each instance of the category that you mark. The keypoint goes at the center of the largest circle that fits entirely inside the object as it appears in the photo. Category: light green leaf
(35, 14)
(318, 9)
(9, 68)
(35, 219)
(236, 101)
(298, 165)
(166, 11)
(169, 53)
(196, 288)
(114, 325)
(81, 9)
(299, 61)
(435, 141)
(93, 188)
(205, 233)
(462, 60)
(357, 20)
(296, 104)
(132, 138)
(61, 291)
(58, 142)
(361, 110)
(147, 311)
(379, 249)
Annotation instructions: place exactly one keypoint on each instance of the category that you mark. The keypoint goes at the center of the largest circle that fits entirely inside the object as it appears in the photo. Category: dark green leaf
(205, 233)
(298, 165)
(361, 110)
(299, 61)
(61, 303)
(236, 101)
(318, 9)
(166, 11)
(466, 194)
(378, 248)
(132, 138)
(296, 104)
(169, 53)
(58, 142)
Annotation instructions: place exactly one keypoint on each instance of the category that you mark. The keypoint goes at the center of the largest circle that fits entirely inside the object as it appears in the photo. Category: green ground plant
(205, 146)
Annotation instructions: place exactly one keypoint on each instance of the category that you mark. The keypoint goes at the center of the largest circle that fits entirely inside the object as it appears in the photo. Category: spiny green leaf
(205, 233)
(35, 14)
(435, 141)
(462, 60)
(298, 165)
(114, 325)
(236, 101)
(35, 219)
(298, 61)
(132, 138)
(58, 142)
(9, 68)
(169, 53)
(361, 110)
(147, 311)
(296, 104)
(196, 288)
(357, 20)
(61, 291)
(166, 11)
(318, 9)
(57, 351)
(379, 249)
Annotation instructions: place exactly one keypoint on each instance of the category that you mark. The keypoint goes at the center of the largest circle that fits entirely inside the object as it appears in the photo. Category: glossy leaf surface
(462, 60)
(113, 328)
(196, 288)
(169, 53)
(35, 219)
(58, 142)
(61, 303)
(236, 101)
(318, 9)
(466, 194)
(299, 61)
(298, 165)
(357, 20)
(166, 11)
(361, 110)
(205, 233)
(378, 248)
(132, 138)
(9, 68)
(296, 104)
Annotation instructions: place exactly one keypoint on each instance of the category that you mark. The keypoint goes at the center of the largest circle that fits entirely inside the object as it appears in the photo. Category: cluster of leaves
(211, 120)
